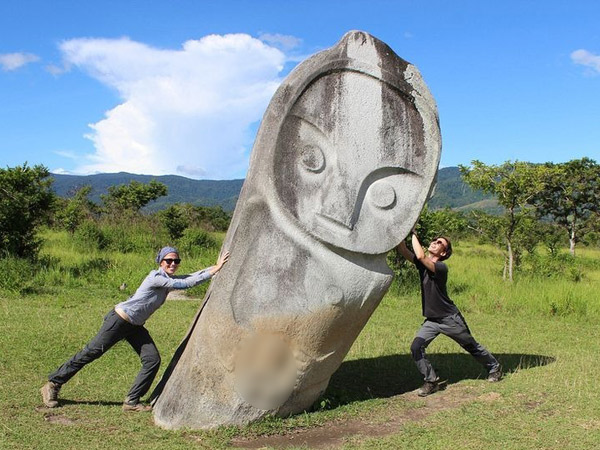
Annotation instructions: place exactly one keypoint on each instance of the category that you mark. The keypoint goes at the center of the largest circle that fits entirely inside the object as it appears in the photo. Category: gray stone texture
(343, 163)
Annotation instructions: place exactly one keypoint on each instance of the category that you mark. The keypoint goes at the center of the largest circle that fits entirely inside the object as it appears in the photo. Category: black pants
(456, 328)
(114, 329)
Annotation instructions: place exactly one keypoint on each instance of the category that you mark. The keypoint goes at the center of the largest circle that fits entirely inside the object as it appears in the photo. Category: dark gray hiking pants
(114, 329)
(456, 328)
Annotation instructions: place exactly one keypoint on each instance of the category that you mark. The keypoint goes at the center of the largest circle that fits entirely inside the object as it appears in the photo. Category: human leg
(426, 334)
(457, 329)
(113, 329)
(144, 346)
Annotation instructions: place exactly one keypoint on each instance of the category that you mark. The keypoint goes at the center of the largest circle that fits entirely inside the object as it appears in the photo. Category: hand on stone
(221, 262)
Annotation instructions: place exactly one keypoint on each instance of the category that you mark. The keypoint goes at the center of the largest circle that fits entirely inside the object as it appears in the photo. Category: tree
(130, 198)
(72, 212)
(441, 222)
(571, 195)
(26, 202)
(174, 220)
(514, 184)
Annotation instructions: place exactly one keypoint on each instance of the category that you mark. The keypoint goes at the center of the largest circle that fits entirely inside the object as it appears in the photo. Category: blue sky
(179, 87)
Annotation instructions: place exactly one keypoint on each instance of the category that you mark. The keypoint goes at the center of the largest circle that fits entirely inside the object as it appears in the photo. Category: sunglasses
(170, 261)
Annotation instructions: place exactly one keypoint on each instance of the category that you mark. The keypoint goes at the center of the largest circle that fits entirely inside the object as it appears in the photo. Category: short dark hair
(448, 251)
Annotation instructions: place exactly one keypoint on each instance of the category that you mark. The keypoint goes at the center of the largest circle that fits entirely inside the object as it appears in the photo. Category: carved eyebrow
(320, 138)
(308, 122)
(376, 175)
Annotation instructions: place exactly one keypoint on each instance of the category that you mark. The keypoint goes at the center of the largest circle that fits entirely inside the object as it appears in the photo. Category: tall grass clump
(19, 274)
(89, 235)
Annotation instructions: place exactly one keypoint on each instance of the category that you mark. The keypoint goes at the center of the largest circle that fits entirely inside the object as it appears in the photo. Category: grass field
(543, 330)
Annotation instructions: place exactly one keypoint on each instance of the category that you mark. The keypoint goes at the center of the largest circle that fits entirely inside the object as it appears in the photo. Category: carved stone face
(352, 179)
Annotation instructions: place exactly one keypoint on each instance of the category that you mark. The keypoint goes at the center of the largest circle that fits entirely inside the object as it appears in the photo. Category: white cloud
(586, 58)
(66, 154)
(13, 61)
(285, 42)
(186, 111)
(56, 70)
(61, 171)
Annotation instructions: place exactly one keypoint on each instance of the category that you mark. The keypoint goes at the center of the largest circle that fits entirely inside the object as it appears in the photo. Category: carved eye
(312, 158)
(382, 194)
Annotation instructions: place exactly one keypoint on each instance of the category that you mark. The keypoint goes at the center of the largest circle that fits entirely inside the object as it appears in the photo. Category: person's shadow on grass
(67, 401)
(387, 376)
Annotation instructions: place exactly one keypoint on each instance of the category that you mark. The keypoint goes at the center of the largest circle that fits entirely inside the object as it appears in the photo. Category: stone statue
(343, 162)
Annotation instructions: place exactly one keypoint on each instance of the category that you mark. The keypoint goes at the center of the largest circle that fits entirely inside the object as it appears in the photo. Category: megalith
(343, 162)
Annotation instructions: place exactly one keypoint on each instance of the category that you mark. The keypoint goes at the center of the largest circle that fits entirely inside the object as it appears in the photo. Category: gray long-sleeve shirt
(153, 291)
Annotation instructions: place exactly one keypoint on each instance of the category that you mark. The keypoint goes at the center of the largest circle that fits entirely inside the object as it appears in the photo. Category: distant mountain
(180, 189)
(450, 191)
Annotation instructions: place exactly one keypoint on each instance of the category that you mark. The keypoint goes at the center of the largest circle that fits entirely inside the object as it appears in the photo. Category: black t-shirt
(434, 297)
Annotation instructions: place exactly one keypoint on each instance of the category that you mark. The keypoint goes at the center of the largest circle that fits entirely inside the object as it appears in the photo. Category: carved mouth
(334, 225)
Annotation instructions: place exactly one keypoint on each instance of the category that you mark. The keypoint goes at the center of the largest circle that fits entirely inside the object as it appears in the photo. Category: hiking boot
(50, 394)
(496, 376)
(135, 405)
(429, 388)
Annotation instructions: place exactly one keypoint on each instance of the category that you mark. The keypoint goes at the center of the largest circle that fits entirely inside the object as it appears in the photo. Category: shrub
(18, 274)
(558, 265)
(89, 236)
(196, 240)
(135, 234)
(406, 276)
(25, 203)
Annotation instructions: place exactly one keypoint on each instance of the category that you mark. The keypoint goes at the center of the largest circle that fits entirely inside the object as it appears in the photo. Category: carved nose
(338, 210)
(333, 222)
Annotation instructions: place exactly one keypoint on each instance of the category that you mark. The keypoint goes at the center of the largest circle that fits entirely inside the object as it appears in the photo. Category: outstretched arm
(420, 253)
(408, 255)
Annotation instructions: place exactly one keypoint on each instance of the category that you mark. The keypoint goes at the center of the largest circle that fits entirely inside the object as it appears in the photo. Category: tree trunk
(572, 239)
(510, 260)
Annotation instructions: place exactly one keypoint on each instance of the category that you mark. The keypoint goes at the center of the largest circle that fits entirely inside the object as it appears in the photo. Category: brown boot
(135, 405)
(50, 394)
(429, 388)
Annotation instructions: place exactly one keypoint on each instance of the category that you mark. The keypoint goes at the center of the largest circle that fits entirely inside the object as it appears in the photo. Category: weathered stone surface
(343, 163)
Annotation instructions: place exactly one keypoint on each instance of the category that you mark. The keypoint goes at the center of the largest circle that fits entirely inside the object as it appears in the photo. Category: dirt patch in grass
(333, 434)
(59, 419)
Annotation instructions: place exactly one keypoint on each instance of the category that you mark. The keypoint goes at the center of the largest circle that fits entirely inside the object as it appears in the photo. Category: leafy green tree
(514, 184)
(446, 222)
(181, 216)
(212, 218)
(571, 196)
(130, 198)
(26, 201)
(174, 220)
(73, 211)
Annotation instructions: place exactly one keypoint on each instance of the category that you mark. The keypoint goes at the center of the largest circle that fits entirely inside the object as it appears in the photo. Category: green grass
(544, 331)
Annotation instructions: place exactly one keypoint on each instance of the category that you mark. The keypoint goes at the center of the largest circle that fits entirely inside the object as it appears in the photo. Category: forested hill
(180, 189)
(450, 192)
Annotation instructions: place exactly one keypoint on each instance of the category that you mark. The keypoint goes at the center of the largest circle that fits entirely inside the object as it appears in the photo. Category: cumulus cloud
(13, 61)
(586, 58)
(185, 111)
